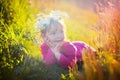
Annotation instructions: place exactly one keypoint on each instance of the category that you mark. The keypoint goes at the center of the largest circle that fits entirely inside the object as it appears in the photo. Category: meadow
(20, 56)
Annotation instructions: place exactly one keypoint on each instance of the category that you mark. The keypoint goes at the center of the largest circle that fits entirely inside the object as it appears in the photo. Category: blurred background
(96, 22)
(82, 16)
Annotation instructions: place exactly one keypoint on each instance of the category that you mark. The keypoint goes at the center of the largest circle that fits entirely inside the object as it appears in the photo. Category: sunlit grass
(18, 38)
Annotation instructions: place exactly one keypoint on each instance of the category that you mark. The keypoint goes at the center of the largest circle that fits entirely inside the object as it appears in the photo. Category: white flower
(43, 21)
(57, 15)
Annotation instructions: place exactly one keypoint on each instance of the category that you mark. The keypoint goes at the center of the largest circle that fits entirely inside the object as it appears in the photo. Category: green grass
(20, 56)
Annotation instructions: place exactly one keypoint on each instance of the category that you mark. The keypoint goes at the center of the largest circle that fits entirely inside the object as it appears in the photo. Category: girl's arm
(82, 47)
(67, 61)
(47, 54)
(67, 56)
(64, 60)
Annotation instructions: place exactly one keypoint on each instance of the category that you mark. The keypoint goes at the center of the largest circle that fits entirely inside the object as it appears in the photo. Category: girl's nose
(59, 36)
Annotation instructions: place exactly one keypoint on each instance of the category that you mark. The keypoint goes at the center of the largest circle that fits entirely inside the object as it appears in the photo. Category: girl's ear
(45, 39)
(43, 35)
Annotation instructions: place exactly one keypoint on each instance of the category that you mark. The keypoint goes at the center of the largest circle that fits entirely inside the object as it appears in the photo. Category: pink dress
(70, 53)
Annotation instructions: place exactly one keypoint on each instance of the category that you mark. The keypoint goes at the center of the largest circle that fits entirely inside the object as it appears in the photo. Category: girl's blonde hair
(45, 21)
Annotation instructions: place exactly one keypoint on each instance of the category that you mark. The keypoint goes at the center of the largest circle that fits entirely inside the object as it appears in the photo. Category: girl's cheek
(46, 40)
(49, 42)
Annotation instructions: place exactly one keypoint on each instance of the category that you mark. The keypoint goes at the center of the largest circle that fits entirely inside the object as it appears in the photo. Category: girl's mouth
(58, 40)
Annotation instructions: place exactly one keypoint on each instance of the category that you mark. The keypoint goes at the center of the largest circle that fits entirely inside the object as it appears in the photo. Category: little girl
(55, 49)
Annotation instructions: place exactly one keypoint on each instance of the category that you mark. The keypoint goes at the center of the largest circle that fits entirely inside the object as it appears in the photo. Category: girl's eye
(61, 31)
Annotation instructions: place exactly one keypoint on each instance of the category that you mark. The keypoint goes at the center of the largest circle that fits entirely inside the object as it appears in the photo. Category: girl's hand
(57, 47)
(56, 50)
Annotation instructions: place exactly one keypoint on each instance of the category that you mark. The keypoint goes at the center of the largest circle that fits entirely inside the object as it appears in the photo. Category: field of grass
(20, 56)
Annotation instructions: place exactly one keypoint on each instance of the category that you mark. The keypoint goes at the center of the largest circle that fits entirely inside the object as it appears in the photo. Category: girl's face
(54, 35)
